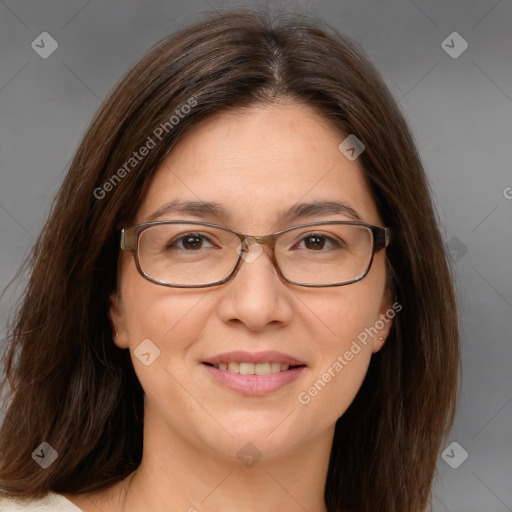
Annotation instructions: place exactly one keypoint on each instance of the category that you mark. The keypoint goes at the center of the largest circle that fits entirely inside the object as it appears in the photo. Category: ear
(117, 320)
(383, 324)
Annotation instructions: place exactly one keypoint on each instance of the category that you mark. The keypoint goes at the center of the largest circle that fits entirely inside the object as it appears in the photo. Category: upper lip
(254, 357)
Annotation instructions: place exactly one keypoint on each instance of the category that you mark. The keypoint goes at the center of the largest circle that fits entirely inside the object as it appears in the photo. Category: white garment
(52, 502)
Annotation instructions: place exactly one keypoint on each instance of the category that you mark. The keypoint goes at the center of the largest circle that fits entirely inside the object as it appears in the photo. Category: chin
(274, 435)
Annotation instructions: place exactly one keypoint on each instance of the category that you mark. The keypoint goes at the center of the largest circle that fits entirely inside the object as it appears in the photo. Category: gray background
(460, 110)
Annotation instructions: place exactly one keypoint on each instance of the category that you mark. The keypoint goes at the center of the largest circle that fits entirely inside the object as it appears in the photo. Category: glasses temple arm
(381, 237)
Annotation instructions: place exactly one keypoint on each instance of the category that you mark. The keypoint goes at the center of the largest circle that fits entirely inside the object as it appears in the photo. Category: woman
(169, 355)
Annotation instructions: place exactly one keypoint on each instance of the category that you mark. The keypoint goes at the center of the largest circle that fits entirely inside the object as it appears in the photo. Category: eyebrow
(216, 210)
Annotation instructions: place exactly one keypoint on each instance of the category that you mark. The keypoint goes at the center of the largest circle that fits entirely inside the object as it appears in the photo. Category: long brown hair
(67, 384)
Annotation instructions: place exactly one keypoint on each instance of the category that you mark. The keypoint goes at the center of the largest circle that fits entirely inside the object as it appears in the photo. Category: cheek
(341, 365)
(340, 315)
(172, 323)
(345, 319)
(336, 384)
(171, 318)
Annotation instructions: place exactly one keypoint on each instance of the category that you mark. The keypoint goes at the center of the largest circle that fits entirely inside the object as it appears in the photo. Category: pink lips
(254, 357)
(254, 385)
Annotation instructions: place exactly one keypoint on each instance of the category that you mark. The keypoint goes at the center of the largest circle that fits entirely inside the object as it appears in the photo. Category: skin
(255, 162)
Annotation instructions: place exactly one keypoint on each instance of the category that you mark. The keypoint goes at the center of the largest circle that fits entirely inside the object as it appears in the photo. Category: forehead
(257, 162)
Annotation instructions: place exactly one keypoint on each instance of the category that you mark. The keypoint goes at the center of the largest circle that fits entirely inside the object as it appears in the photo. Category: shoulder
(52, 502)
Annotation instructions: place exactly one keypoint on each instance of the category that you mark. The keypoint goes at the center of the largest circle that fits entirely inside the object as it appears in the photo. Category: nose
(256, 296)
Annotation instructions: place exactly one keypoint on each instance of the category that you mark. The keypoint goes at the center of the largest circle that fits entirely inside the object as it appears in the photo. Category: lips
(248, 373)
(255, 358)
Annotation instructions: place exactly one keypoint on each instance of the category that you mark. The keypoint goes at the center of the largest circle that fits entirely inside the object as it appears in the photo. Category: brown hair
(69, 385)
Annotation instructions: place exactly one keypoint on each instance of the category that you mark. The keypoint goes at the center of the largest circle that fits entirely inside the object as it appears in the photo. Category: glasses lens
(187, 254)
(325, 254)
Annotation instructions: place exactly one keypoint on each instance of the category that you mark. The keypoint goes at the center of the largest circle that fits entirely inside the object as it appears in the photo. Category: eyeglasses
(199, 254)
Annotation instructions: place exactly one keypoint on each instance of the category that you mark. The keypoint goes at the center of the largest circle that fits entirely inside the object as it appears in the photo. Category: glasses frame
(129, 241)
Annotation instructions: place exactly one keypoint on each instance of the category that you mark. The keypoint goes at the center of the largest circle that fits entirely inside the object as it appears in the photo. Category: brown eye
(317, 242)
(314, 242)
(190, 242)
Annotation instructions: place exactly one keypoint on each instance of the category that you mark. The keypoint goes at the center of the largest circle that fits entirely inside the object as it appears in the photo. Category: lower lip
(254, 385)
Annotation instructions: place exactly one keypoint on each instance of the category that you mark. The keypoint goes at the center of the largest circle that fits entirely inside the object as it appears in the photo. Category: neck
(194, 478)
(183, 475)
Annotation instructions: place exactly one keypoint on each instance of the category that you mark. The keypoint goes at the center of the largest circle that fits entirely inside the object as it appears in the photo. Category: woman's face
(255, 163)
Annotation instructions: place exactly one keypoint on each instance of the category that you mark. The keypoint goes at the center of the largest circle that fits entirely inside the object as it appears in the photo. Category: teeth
(253, 368)
(247, 368)
(262, 369)
(234, 367)
(275, 367)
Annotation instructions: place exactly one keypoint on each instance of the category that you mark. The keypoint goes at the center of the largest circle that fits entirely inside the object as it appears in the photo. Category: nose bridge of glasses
(265, 240)
(259, 241)
(252, 247)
